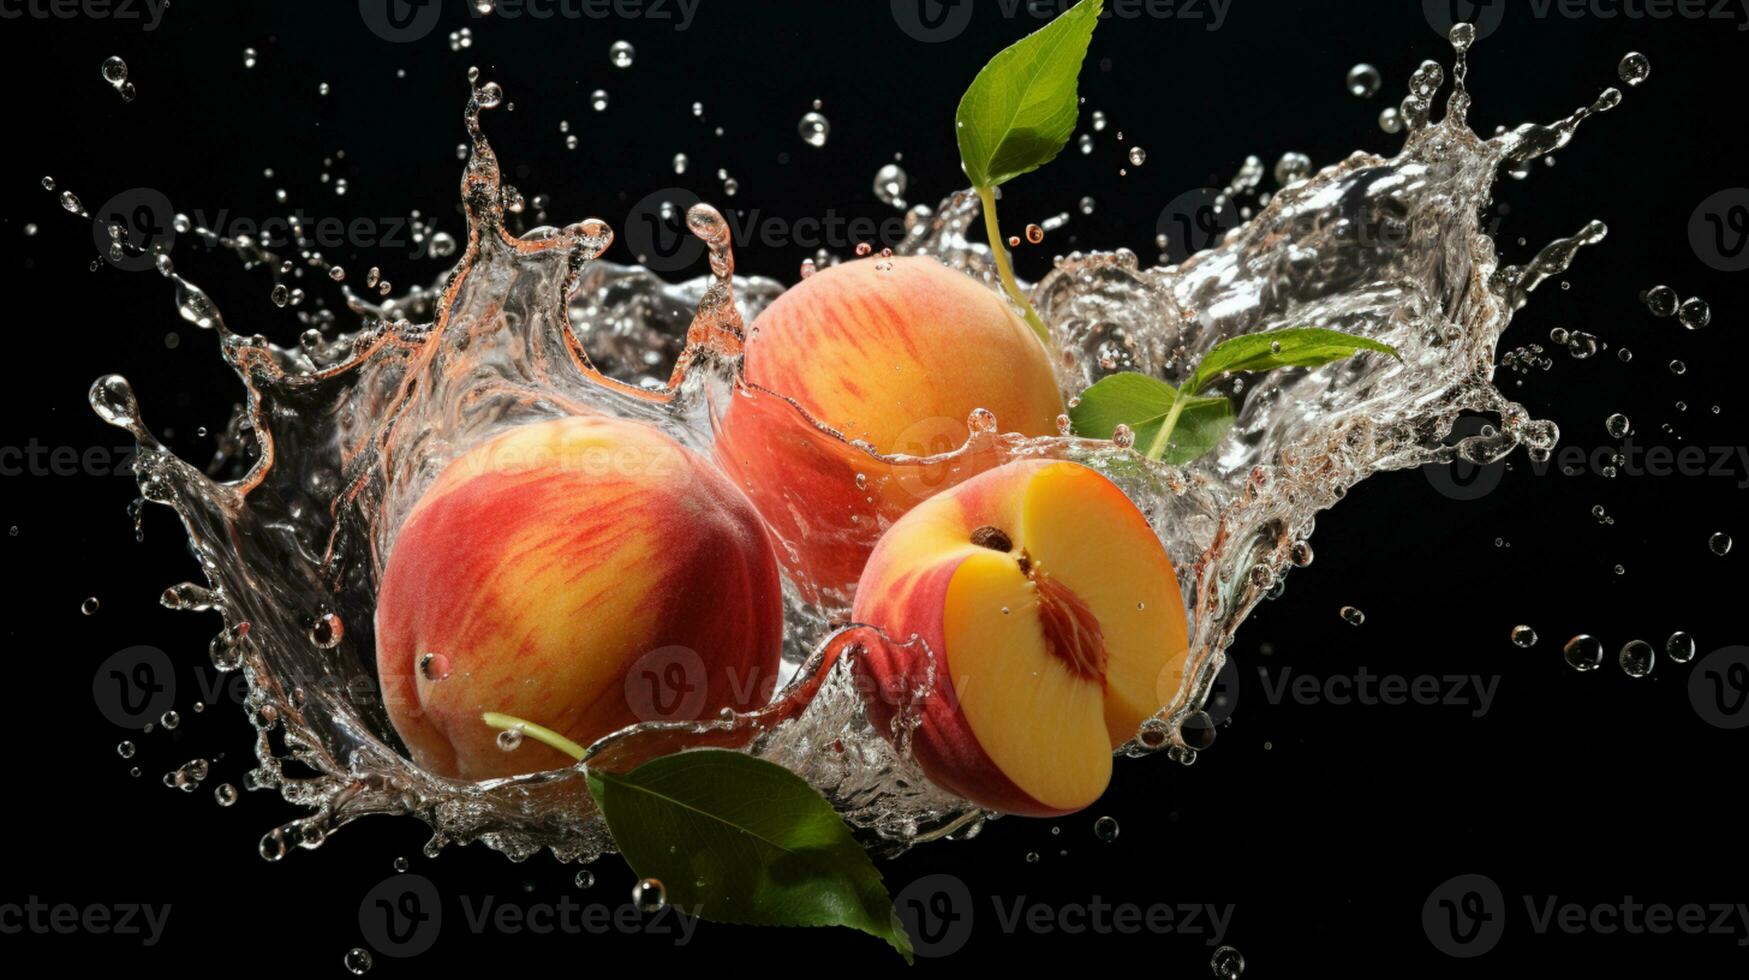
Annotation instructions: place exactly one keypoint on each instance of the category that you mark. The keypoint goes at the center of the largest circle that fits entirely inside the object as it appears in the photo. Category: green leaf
(1142, 403)
(1305, 347)
(740, 840)
(1020, 110)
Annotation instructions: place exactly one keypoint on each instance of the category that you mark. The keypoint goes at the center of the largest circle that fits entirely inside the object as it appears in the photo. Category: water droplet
(598, 100)
(1352, 616)
(680, 163)
(1391, 120)
(401, 865)
(224, 794)
(1138, 156)
(1634, 68)
(814, 129)
(1123, 437)
(1523, 636)
(1661, 301)
(1035, 234)
(1694, 313)
(889, 185)
(1679, 648)
(1031, 857)
(1106, 829)
(649, 895)
(358, 961)
(621, 55)
(169, 720)
(1292, 167)
(1363, 81)
(1227, 963)
(125, 750)
(249, 57)
(1583, 653)
(1720, 543)
(89, 606)
(1618, 425)
(509, 740)
(1636, 658)
(585, 879)
(115, 70)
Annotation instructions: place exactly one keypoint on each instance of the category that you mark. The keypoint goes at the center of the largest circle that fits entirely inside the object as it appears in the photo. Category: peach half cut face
(1055, 621)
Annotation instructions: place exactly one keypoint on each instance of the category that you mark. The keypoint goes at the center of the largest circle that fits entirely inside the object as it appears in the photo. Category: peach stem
(999, 252)
(545, 736)
(1157, 448)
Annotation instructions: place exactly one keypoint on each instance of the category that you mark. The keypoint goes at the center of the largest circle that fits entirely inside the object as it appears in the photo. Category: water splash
(340, 434)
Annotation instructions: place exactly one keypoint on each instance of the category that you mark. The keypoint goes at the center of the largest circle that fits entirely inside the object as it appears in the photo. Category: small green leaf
(740, 840)
(1020, 110)
(1304, 347)
(1142, 403)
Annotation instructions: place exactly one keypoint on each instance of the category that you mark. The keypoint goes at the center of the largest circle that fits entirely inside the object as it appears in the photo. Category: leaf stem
(545, 736)
(1157, 448)
(1004, 269)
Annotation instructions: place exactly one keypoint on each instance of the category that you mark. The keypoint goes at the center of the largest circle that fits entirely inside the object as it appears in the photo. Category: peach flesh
(895, 353)
(584, 574)
(1056, 626)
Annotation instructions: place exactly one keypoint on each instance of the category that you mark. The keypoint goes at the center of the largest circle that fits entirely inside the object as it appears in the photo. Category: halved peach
(1051, 628)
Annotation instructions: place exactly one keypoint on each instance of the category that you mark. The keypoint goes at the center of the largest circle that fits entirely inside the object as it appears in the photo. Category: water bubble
(1694, 313)
(169, 720)
(1391, 120)
(649, 895)
(1123, 437)
(1636, 658)
(358, 960)
(71, 204)
(1085, 144)
(1085, 205)
(814, 129)
(680, 162)
(1105, 828)
(1035, 234)
(1032, 857)
(1523, 636)
(509, 740)
(1352, 616)
(1098, 119)
(1292, 167)
(1661, 301)
(115, 70)
(434, 666)
(621, 55)
(1138, 156)
(442, 245)
(1677, 367)
(225, 794)
(598, 100)
(327, 631)
(1720, 543)
(89, 606)
(1634, 68)
(125, 750)
(585, 879)
(889, 185)
(1227, 963)
(1363, 81)
(248, 57)
(1583, 653)
(1618, 425)
(1679, 648)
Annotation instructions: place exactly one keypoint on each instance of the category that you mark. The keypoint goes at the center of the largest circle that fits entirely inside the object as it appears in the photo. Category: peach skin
(894, 354)
(1054, 619)
(583, 574)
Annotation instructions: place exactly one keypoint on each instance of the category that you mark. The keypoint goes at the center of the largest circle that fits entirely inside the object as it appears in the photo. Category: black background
(1325, 826)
